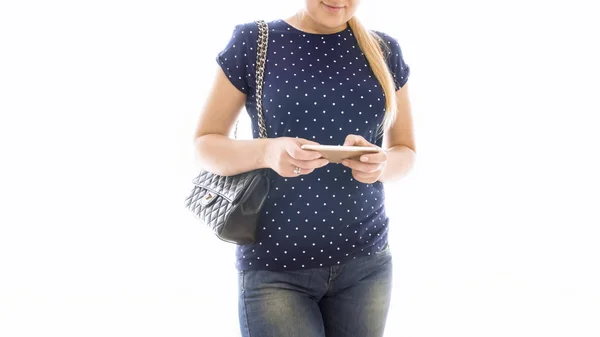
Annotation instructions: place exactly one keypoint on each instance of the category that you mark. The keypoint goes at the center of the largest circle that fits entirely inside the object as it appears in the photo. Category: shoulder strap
(261, 60)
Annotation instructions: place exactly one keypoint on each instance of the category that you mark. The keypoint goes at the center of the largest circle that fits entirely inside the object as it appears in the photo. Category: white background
(495, 232)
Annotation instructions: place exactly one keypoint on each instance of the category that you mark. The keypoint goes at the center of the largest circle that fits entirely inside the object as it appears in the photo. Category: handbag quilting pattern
(214, 197)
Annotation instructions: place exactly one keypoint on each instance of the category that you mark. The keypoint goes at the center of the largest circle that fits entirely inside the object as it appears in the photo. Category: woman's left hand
(369, 168)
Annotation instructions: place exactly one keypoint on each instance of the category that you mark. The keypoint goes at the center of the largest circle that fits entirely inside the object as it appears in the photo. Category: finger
(309, 164)
(363, 177)
(361, 167)
(352, 140)
(298, 153)
(303, 171)
(379, 157)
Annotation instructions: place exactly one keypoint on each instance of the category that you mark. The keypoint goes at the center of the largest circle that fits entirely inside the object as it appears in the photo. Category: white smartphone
(337, 153)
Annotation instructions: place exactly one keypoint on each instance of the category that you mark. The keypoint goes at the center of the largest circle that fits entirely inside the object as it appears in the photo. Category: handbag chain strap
(261, 60)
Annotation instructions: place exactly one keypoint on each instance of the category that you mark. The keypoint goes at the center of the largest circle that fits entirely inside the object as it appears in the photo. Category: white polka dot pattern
(318, 87)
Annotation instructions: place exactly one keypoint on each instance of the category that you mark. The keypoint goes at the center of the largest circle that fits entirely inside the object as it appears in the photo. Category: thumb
(354, 140)
(349, 140)
(302, 141)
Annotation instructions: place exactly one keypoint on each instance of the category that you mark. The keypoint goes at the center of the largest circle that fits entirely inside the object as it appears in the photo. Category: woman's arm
(215, 151)
(399, 141)
(219, 154)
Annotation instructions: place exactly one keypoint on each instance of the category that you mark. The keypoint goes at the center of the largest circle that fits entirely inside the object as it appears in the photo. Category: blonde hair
(370, 43)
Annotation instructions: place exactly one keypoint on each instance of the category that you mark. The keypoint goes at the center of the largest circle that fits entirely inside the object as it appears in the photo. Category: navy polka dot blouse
(321, 88)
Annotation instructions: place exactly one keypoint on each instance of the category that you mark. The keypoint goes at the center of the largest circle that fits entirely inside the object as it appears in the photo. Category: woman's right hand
(284, 154)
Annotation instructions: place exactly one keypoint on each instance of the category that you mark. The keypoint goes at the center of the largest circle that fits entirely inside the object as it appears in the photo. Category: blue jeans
(341, 301)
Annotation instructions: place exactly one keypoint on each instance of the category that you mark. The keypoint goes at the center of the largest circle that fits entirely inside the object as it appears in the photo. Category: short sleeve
(395, 59)
(233, 59)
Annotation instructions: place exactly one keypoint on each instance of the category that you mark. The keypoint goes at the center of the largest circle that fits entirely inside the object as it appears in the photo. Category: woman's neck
(304, 22)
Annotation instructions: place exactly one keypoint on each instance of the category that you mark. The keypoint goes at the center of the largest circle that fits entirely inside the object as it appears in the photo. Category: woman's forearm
(225, 156)
(400, 161)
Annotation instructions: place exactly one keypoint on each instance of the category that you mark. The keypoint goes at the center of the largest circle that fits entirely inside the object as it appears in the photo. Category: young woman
(321, 265)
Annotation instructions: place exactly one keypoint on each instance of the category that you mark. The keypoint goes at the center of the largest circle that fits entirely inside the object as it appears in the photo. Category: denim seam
(329, 279)
(245, 306)
(334, 272)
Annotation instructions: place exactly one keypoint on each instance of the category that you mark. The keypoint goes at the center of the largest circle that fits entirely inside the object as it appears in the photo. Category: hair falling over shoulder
(371, 45)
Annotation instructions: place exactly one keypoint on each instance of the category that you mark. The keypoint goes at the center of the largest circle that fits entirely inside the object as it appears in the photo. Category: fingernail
(345, 162)
(364, 158)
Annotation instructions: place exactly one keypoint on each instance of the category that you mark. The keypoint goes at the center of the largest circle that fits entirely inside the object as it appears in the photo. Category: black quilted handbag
(231, 205)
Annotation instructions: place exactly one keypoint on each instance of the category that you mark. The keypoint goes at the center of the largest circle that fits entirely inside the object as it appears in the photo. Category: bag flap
(228, 187)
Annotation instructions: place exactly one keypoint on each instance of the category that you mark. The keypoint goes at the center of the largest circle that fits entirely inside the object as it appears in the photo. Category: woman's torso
(318, 87)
